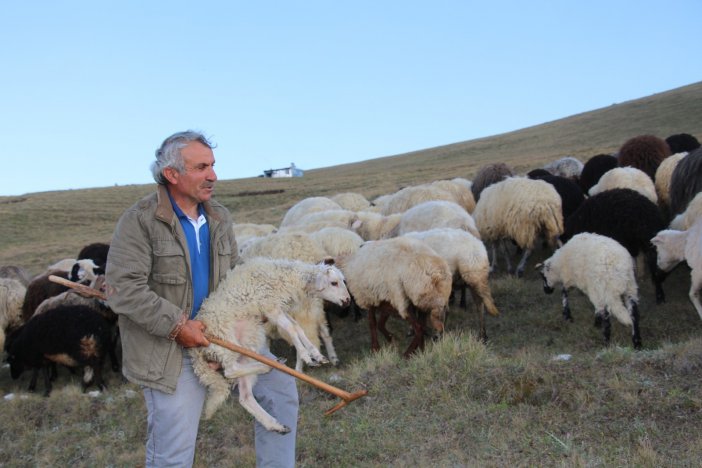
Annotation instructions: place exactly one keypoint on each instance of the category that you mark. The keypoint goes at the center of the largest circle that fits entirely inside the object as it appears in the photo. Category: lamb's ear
(321, 280)
(656, 240)
(356, 224)
(328, 261)
(538, 266)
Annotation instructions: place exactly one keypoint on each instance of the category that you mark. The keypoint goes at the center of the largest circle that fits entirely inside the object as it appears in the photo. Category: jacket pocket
(168, 262)
(224, 256)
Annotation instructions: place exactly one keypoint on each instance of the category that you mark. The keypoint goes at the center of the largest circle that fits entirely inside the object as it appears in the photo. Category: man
(168, 252)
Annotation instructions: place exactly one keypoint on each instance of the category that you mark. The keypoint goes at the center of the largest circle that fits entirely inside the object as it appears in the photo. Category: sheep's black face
(547, 288)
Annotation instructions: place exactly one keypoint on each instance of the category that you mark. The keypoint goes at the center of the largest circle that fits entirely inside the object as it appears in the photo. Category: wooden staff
(345, 396)
(81, 288)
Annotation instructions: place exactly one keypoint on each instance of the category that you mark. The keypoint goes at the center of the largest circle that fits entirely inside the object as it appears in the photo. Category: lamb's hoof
(281, 429)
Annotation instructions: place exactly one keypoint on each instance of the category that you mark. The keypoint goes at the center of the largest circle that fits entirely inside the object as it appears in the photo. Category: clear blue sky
(88, 90)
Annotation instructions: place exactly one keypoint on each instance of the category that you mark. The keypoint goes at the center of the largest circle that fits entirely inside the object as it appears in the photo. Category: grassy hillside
(458, 403)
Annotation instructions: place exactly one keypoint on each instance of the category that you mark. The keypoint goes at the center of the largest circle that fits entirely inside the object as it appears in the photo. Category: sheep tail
(484, 292)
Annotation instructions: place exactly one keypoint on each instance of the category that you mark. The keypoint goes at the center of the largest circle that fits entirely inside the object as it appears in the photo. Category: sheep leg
(657, 275)
(33, 381)
(522, 262)
(695, 285)
(480, 308)
(47, 380)
(508, 261)
(303, 346)
(247, 400)
(635, 335)
(493, 256)
(325, 334)
(373, 329)
(384, 316)
(418, 340)
(606, 325)
(566, 306)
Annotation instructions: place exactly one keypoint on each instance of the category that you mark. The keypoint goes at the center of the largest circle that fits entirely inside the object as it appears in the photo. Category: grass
(459, 402)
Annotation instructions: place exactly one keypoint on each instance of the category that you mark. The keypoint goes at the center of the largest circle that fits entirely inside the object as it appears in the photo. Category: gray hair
(168, 154)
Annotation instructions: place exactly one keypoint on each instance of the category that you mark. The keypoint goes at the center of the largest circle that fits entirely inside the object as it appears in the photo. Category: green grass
(459, 402)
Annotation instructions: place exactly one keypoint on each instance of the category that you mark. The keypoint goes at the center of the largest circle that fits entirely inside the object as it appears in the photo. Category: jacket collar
(164, 210)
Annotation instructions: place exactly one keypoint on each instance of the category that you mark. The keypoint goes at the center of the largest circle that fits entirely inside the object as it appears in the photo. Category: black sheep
(488, 175)
(627, 217)
(97, 252)
(571, 195)
(644, 152)
(39, 289)
(594, 168)
(75, 336)
(681, 142)
(686, 181)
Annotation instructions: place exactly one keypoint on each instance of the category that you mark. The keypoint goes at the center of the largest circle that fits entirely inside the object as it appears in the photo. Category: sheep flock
(405, 255)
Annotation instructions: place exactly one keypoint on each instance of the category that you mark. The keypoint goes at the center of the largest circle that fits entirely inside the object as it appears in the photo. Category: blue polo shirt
(197, 235)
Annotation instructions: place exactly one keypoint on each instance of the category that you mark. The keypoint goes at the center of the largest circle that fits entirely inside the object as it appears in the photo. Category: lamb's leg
(635, 335)
(325, 334)
(247, 400)
(303, 347)
(695, 285)
(566, 306)
(522, 262)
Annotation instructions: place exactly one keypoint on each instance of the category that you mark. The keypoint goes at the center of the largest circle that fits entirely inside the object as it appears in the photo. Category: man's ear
(171, 175)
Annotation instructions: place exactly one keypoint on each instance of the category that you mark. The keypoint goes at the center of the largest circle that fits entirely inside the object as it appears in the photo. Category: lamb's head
(86, 271)
(330, 285)
(544, 270)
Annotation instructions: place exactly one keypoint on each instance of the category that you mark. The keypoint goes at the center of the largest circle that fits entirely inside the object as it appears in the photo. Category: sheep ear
(328, 261)
(657, 240)
(321, 280)
(356, 224)
(538, 266)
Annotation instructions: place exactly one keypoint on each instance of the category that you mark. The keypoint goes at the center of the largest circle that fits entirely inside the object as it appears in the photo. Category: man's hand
(192, 335)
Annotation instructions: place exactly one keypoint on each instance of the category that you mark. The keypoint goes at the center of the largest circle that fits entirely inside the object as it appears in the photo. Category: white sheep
(374, 226)
(602, 269)
(460, 188)
(243, 231)
(626, 177)
(11, 297)
(260, 289)
(406, 198)
(675, 246)
(568, 167)
(307, 206)
(321, 219)
(402, 276)
(310, 248)
(687, 218)
(351, 201)
(436, 214)
(664, 173)
(336, 241)
(468, 261)
(519, 209)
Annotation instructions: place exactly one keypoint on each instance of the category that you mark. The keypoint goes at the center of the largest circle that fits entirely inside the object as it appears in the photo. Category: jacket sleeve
(129, 265)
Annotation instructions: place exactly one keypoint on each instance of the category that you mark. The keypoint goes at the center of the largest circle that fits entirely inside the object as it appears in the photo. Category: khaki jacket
(150, 285)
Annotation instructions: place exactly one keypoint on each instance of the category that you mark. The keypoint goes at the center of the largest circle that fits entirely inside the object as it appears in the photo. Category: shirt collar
(179, 212)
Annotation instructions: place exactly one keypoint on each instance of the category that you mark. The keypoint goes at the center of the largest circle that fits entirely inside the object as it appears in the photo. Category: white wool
(436, 214)
(663, 175)
(11, 297)
(307, 206)
(626, 177)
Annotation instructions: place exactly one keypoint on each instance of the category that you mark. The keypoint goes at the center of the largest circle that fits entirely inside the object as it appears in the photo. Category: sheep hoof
(282, 430)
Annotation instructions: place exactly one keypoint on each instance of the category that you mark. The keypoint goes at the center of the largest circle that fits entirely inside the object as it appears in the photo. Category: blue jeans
(173, 419)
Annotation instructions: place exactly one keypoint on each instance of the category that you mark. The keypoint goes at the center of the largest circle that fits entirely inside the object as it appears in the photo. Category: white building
(291, 171)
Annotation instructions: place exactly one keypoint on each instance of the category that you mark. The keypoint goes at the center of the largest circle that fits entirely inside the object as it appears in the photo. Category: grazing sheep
(468, 261)
(436, 214)
(568, 167)
(460, 189)
(627, 217)
(604, 271)
(682, 142)
(686, 181)
(400, 276)
(97, 252)
(406, 198)
(15, 272)
(676, 246)
(260, 289)
(644, 152)
(321, 219)
(571, 194)
(307, 206)
(374, 226)
(285, 245)
(243, 231)
(488, 175)
(664, 174)
(39, 289)
(74, 336)
(594, 168)
(519, 209)
(11, 296)
(686, 219)
(626, 177)
(351, 201)
(336, 241)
